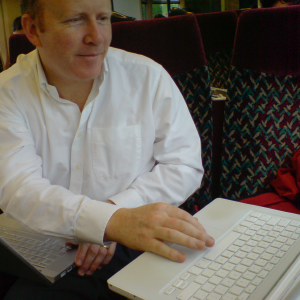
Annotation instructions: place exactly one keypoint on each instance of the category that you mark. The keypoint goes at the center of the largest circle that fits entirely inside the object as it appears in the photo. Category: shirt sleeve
(177, 150)
(31, 199)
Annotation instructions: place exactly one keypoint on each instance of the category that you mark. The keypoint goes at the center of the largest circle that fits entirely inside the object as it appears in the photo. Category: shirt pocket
(116, 151)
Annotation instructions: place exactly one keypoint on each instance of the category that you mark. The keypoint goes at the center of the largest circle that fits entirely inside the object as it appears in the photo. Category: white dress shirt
(134, 143)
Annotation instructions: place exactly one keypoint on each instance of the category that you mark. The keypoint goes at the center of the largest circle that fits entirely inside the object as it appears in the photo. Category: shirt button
(77, 167)
(79, 134)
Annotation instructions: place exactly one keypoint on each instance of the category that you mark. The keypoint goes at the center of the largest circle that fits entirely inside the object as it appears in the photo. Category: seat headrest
(268, 40)
(174, 42)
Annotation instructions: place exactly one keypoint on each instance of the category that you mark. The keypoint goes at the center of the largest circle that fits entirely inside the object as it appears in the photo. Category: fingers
(185, 233)
(90, 257)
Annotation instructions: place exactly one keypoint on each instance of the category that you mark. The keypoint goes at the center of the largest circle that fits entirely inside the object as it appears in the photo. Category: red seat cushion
(274, 201)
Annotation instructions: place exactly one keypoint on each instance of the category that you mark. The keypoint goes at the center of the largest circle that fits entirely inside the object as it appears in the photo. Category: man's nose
(94, 33)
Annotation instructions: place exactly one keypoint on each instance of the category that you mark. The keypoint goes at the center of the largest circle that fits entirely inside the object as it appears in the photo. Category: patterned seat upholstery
(262, 113)
(176, 44)
(218, 31)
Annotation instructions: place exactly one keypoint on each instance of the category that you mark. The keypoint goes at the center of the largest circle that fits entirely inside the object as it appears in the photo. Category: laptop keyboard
(239, 263)
(39, 250)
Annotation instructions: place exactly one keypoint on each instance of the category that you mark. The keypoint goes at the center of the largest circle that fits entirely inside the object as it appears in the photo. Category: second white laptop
(255, 257)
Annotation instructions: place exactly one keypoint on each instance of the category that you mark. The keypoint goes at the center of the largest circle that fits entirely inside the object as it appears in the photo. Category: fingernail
(200, 244)
(89, 272)
(79, 262)
(81, 272)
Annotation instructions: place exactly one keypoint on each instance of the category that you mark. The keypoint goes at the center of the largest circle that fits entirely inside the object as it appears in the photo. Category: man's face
(74, 38)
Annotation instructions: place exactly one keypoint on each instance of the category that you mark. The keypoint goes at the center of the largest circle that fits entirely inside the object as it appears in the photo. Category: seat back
(18, 44)
(176, 44)
(218, 31)
(262, 113)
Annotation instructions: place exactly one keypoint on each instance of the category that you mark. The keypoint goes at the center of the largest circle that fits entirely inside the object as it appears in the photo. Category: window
(159, 7)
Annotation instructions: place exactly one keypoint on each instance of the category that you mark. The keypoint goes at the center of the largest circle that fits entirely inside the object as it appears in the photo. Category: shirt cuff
(92, 220)
(128, 199)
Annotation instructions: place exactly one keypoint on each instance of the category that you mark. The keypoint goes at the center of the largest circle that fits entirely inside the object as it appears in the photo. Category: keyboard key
(274, 260)
(240, 268)
(185, 276)
(265, 217)
(280, 254)
(222, 273)
(228, 266)
(240, 229)
(275, 234)
(255, 214)
(290, 242)
(266, 256)
(269, 267)
(262, 232)
(201, 279)
(268, 239)
(214, 266)
(251, 219)
(278, 228)
(252, 256)
(283, 222)
(247, 262)
(183, 285)
(243, 296)
(257, 237)
(228, 282)
(235, 260)
(194, 270)
(255, 227)
(259, 222)
(236, 290)
(252, 243)
(258, 250)
(215, 280)
(213, 296)
(249, 275)
(203, 263)
(221, 260)
(227, 254)
(239, 243)
(260, 262)
(233, 248)
(281, 239)
(229, 297)
(208, 287)
(273, 221)
(255, 269)
(234, 275)
(286, 233)
(208, 273)
(243, 282)
(272, 250)
(221, 290)
(285, 248)
(200, 295)
(245, 237)
(240, 254)
(189, 291)
(223, 244)
(263, 274)
(250, 232)
(277, 245)
(246, 248)
(291, 228)
(257, 281)
(263, 244)
(177, 283)
(250, 289)
(246, 224)
(294, 236)
(295, 223)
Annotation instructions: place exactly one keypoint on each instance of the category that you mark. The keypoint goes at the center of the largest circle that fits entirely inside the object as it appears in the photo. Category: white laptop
(255, 257)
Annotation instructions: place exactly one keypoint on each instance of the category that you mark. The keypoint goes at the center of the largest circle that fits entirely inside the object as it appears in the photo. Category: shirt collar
(43, 83)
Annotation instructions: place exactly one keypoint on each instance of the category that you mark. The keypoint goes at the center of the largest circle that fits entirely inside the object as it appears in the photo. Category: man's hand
(90, 257)
(145, 228)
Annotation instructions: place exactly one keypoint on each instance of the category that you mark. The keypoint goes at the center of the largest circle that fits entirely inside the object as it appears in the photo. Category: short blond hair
(34, 8)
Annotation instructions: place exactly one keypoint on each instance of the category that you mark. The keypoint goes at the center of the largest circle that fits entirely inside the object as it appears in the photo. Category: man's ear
(31, 30)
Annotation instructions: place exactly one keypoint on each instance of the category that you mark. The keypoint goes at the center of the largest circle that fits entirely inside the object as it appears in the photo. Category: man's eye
(74, 20)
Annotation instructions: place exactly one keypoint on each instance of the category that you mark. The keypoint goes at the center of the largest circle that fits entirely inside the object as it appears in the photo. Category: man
(93, 141)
